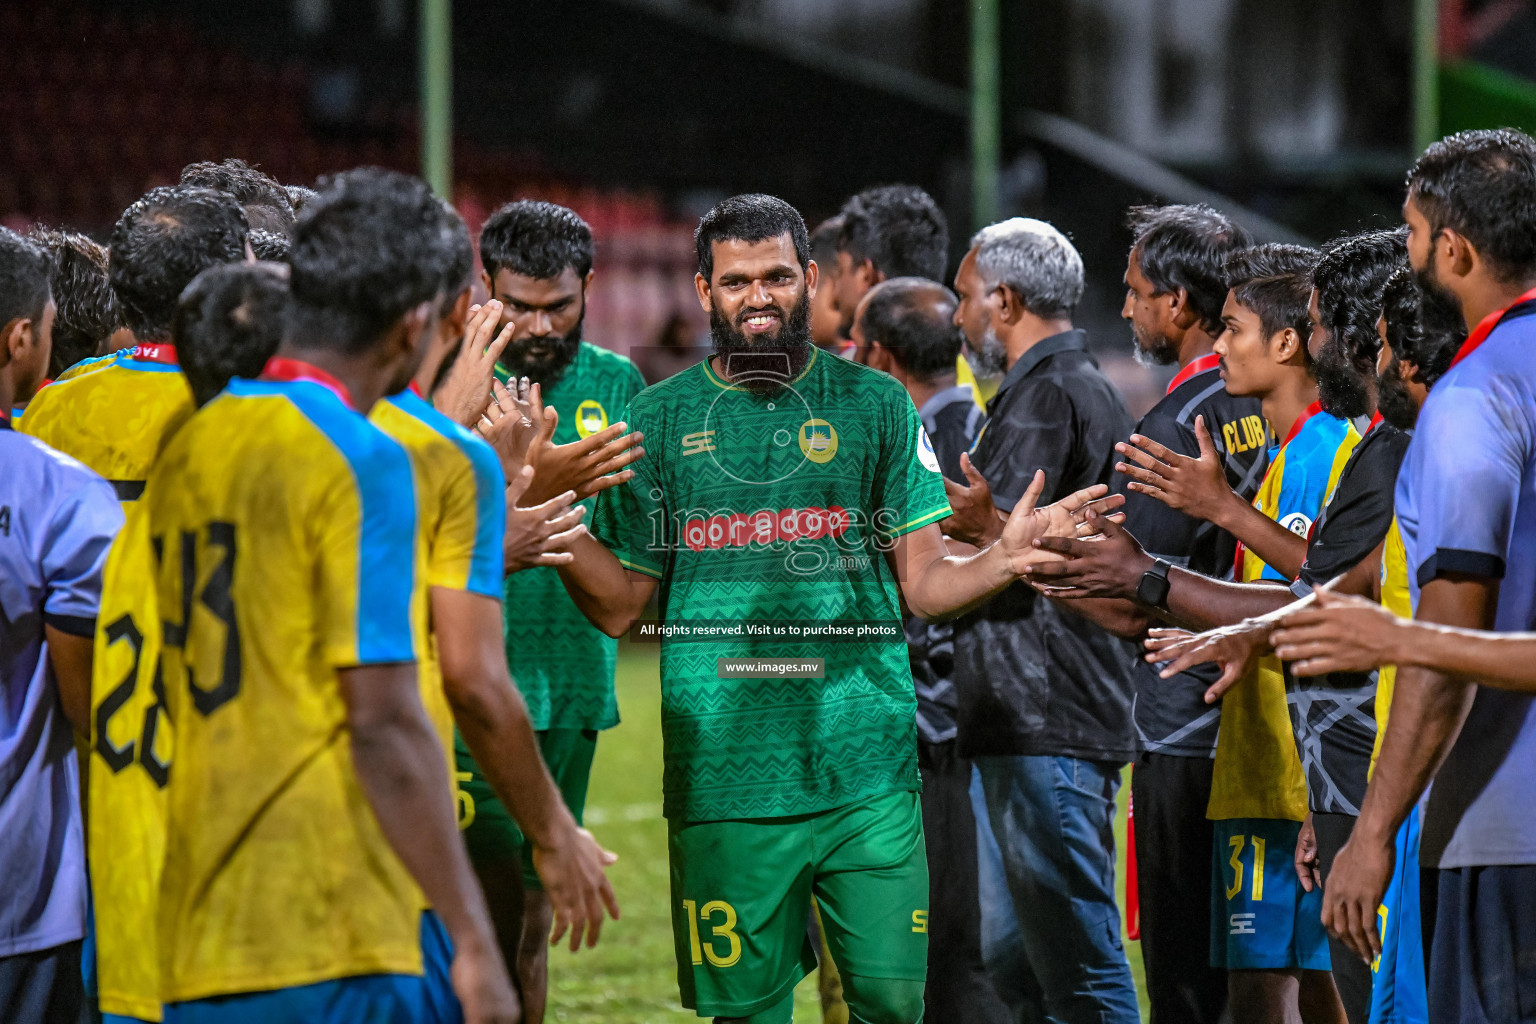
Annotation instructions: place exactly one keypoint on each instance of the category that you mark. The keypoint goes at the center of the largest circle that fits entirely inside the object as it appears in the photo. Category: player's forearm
(71, 658)
(1121, 617)
(1505, 661)
(601, 587)
(493, 720)
(1428, 709)
(1281, 549)
(951, 585)
(401, 767)
(1202, 603)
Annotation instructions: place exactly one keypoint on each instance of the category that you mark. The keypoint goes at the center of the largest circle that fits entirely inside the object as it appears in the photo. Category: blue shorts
(1398, 994)
(375, 998)
(1261, 918)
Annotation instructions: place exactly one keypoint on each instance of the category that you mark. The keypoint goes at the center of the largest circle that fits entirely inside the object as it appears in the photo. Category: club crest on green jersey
(591, 417)
(818, 440)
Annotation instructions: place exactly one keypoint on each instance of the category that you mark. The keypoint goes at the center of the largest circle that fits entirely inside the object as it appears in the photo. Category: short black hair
(752, 217)
(1425, 335)
(1274, 280)
(536, 239)
(898, 228)
(1350, 277)
(824, 240)
(373, 245)
(23, 279)
(271, 246)
(229, 323)
(161, 243)
(1186, 246)
(922, 337)
(1482, 185)
(266, 202)
(86, 310)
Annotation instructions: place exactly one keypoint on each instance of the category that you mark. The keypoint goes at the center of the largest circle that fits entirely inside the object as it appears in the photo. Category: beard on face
(991, 359)
(1392, 398)
(1340, 388)
(1151, 349)
(755, 364)
(548, 368)
(1436, 304)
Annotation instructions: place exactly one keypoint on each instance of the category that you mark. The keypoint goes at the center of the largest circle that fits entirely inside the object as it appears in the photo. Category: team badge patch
(925, 453)
(818, 440)
(591, 417)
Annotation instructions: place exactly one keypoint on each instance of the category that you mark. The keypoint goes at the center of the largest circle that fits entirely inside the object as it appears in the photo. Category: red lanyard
(154, 352)
(282, 368)
(1209, 361)
(1375, 422)
(1485, 327)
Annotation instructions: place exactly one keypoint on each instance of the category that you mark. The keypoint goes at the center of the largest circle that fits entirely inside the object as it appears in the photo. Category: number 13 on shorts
(719, 916)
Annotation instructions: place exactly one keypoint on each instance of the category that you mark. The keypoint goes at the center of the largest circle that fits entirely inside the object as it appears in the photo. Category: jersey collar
(1209, 361)
(1487, 324)
(285, 369)
(153, 352)
(718, 381)
(1301, 421)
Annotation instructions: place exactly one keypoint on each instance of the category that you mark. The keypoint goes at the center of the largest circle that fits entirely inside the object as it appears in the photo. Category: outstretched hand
(466, 392)
(1027, 526)
(1234, 648)
(516, 425)
(1108, 562)
(1197, 487)
(575, 880)
(977, 519)
(1341, 633)
(539, 534)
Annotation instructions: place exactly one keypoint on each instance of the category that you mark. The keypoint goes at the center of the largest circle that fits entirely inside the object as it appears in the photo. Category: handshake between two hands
(544, 480)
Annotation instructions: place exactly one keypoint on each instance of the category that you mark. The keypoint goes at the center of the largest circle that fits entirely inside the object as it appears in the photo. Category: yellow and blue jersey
(130, 754)
(1258, 773)
(284, 526)
(1397, 599)
(462, 512)
(114, 413)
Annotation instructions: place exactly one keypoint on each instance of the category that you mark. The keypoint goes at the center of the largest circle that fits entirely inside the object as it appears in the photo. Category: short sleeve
(910, 492)
(1163, 532)
(366, 554)
(629, 517)
(1034, 432)
(75, 547)
(1475, 445)
(467, 554)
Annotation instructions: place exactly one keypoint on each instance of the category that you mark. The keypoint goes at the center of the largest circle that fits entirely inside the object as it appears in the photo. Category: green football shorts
(493, 838)
(741, 893)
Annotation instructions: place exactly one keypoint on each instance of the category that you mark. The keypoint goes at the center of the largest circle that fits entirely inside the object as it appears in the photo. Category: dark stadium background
(1298, 118)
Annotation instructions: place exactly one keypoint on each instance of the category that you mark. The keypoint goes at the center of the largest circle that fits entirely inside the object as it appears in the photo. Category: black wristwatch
(1153, 588)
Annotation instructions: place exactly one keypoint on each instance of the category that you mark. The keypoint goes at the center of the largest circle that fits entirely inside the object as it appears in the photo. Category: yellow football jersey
(461, 511)
(113, 413)
(1258, 773)
(285, 529)
(130, 755)
(1397, 599)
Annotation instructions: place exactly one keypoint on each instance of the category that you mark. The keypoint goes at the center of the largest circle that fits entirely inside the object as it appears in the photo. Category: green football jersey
(774, 512)
(562, 663)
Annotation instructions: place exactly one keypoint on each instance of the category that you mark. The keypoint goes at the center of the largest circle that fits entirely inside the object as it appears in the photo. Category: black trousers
(1351, 975)
(958, 990)
(1173, 874)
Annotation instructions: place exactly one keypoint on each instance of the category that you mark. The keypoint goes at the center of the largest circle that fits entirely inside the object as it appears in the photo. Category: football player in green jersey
(537, 261)
(786, 504)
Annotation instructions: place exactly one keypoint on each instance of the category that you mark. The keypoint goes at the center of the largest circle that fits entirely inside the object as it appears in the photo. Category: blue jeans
(1051, 932)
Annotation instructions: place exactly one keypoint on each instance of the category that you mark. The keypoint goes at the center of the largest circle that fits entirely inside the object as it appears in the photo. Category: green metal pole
(1426, 72)
(437, 95)
(986, 112)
